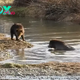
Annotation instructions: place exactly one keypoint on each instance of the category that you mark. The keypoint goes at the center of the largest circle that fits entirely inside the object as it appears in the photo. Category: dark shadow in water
(57, 52)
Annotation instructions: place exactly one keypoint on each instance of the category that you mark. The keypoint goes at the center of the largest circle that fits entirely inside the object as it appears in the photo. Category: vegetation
(56, 10)
(22, 2)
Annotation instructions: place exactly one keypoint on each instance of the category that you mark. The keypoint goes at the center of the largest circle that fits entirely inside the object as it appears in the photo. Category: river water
(39, 32)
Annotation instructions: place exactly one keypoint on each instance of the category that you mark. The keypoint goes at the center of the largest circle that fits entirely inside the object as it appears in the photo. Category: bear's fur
(59, 45)
(17, 29)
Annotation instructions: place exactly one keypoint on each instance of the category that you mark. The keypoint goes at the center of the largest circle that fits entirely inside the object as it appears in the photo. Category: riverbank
(7, 44)
(44, 69)
(61, 10)
(51, 10)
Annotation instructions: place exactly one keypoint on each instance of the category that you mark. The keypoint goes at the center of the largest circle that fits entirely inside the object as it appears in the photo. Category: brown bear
(17, 29)
(59, 45)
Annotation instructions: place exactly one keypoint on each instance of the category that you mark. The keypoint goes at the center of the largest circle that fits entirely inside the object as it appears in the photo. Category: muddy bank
(44, 69)
(8, 44)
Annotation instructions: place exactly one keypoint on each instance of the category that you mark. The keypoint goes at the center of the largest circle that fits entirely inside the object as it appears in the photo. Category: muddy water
(39, 32)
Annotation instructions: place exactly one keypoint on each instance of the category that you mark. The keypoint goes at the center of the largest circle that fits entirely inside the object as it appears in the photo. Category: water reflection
(39, 32)
(57, 52)
(20, 53)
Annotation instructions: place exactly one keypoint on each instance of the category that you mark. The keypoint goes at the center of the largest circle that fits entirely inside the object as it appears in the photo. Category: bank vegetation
(57, 10)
